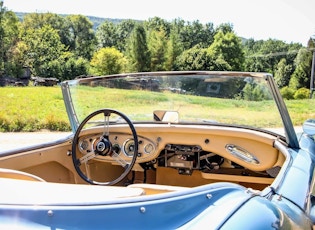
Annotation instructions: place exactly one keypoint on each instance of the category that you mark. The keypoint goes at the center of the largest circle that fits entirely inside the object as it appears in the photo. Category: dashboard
(187, 148)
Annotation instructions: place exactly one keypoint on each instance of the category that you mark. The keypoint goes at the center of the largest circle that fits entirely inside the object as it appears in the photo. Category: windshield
(212, 97)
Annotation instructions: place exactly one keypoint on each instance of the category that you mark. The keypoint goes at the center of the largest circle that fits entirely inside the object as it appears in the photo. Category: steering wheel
(103, 147)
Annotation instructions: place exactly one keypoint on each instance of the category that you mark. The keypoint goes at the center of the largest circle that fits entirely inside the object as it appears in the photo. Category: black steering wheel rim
(76, 137)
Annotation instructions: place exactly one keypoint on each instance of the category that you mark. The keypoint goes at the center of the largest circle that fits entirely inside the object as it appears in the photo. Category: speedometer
(129, 147)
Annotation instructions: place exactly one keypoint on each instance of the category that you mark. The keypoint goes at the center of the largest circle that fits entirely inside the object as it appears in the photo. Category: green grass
(36, 108)
(32, 109)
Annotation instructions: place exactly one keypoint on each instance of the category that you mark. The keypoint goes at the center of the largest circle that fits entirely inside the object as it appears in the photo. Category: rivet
(209, 196)
(50, 213)
(142, 209)
(280, 197)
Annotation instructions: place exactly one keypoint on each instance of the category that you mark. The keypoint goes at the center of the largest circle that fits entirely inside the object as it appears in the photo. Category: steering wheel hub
(103, 147)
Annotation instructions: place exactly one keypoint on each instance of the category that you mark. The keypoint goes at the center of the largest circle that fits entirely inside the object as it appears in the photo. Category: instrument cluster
(121, 144)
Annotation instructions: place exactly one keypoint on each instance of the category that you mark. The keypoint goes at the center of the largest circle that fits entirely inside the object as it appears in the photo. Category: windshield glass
(236, 99)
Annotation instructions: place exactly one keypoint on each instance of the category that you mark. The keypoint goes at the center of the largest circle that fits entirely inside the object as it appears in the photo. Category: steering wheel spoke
(87, 157)
(120, 160)
(103, 148)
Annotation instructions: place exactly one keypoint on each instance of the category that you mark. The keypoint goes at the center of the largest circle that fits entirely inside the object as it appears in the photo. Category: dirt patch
(19, 140)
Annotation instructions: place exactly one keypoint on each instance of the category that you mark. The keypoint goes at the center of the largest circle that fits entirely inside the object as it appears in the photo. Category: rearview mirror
(166, 116)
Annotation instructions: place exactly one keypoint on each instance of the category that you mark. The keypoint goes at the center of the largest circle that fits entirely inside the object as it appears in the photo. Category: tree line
(68, 46)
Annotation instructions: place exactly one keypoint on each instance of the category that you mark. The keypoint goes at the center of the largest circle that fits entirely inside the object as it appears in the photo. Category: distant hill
(95, 20)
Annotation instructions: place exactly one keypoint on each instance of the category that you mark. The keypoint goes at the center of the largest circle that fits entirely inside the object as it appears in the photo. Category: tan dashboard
(248, 148)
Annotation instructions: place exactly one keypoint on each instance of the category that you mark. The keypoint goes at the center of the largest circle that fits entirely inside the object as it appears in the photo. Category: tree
(173, 49)
(224, 28)
(227, 48)
(301, 75)
(2, 35)
(254, 92)
(157, 42)
(83, 40)
(107, 61)
(10, 37)
(17, 59)
(194, 33)
(195, 58)
(272, 51)
(253, 57)
(39, 20)
(124, 29)
(73, 67)
(265, 56)
(283, 73)
(106, 35)
(157, 24)
(138, 52)
(44, 51)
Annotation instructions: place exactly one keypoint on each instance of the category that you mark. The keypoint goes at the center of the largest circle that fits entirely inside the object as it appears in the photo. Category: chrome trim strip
(242, 154)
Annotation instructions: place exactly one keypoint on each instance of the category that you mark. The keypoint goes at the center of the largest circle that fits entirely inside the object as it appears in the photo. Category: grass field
(36, 108)
(32, 109)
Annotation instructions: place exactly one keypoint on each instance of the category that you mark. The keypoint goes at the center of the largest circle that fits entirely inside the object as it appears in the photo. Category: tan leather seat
(25, 192)
(15, 174)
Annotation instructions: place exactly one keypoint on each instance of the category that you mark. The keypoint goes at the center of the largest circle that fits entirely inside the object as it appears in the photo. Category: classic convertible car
(166, 150)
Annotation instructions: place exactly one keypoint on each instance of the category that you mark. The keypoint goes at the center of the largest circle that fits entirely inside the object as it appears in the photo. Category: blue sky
(286, 20)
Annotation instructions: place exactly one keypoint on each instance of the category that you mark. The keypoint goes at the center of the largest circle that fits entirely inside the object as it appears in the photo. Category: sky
(286, 20)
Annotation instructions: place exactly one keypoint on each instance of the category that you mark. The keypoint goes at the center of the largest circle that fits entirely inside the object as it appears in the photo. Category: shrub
(287, 93)
(302, 93)
(54, 123)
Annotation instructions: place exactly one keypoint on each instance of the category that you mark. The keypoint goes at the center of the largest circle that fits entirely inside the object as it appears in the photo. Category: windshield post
(74, 122)
(288, 126)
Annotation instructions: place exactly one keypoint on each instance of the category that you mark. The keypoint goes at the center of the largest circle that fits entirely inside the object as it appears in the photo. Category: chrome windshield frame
(282, 109)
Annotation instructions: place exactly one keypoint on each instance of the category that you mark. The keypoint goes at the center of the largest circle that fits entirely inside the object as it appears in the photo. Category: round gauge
(84, 145)
(129, 147)
(148, 148)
